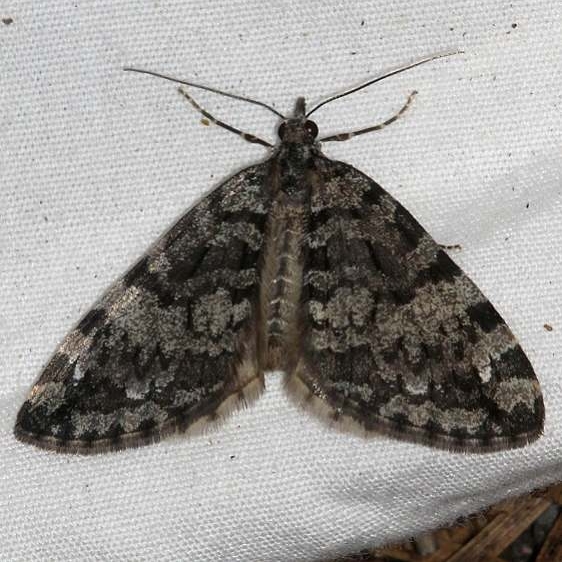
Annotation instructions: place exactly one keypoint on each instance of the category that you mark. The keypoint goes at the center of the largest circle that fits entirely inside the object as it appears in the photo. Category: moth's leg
(246, 136)
(450, 246)
(347, 136)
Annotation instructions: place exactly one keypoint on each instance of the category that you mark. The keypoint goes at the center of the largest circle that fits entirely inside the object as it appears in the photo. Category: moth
(299, 264)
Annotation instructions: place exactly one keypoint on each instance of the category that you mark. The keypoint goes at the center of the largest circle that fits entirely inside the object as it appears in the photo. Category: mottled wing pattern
(172, 345)
(397, 338)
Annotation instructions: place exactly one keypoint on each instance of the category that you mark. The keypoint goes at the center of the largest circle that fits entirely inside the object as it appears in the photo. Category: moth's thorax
(293, 165)
(294, 161)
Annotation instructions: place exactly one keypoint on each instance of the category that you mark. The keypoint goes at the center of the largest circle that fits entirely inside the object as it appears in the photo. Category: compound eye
(311, 129)
(282, 130)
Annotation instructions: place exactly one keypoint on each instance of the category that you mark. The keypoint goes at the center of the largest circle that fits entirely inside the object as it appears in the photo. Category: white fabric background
(96, 163)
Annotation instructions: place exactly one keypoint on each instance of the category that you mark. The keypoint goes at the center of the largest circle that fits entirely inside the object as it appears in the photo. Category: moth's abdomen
(282, 282)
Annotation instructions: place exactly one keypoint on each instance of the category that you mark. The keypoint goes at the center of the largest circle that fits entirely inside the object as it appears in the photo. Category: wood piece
(501, 532)
(552, 548)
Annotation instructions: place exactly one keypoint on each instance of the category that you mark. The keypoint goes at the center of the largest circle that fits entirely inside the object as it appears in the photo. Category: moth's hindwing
(173, 344)
(397, 338)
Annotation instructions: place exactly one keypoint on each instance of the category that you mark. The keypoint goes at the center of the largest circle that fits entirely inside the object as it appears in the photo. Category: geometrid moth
(304, 265)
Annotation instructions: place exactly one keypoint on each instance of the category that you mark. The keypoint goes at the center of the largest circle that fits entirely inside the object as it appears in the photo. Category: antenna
(209, 89)
(378, 79)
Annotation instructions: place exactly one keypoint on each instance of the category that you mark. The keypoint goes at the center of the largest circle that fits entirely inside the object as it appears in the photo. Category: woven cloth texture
(97, 162)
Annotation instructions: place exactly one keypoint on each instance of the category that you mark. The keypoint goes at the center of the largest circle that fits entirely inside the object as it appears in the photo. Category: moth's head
(297, 128)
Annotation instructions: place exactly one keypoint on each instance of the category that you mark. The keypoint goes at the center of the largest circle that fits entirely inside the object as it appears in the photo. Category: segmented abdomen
(282, 280)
